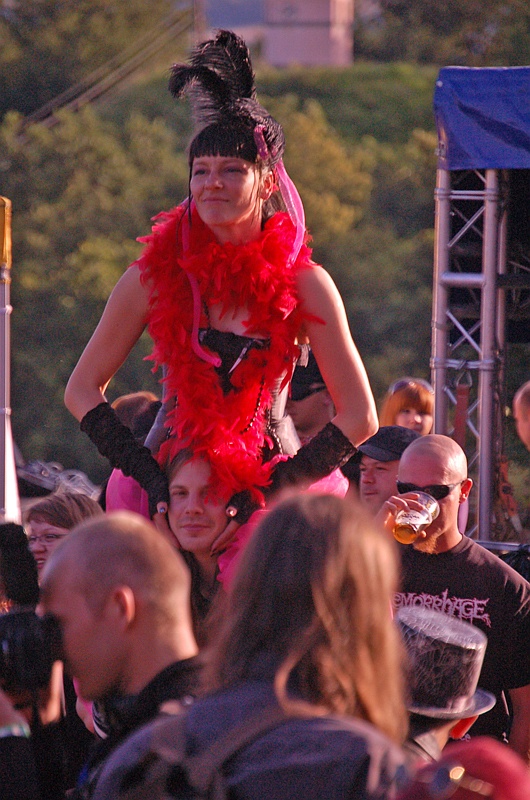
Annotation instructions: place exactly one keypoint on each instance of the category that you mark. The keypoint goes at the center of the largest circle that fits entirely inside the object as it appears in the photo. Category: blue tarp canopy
(483, 117)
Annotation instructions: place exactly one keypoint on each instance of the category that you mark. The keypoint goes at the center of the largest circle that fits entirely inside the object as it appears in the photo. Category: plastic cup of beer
(411, 522)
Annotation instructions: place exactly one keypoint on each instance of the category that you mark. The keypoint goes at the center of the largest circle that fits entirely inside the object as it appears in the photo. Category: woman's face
(43, 538)
(229, 196)
(197, 512)
(418, 421)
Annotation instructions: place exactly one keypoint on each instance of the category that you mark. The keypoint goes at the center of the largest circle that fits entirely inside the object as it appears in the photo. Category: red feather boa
(256, 276)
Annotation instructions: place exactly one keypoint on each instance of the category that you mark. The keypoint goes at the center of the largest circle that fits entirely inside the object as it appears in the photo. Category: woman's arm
(337, 356)
(120, 327)
(118, 331)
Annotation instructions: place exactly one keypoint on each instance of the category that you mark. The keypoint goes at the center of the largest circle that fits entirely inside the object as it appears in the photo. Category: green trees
(81, 192)
(471, 33)
(360, 148)
(50, 45)
(84, 189)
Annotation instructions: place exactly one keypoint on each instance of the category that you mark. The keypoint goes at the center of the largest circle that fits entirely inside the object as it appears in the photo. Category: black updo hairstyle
(219, 81)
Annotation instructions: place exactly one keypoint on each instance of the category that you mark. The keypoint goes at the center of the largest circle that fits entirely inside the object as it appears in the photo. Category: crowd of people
(233, 616)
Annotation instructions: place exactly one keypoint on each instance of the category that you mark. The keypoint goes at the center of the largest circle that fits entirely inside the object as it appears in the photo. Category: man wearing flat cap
(379, 461)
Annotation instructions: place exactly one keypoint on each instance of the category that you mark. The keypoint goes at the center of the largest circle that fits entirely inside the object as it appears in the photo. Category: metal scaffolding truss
(481, 296)
(468, 335)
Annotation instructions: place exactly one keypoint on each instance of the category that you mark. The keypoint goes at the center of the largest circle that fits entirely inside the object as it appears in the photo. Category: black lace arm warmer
(326, 451)
(116, 442)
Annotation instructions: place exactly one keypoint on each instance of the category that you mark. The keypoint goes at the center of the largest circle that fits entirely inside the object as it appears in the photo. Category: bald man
(449, 572)
(521, 413)
(120, 594)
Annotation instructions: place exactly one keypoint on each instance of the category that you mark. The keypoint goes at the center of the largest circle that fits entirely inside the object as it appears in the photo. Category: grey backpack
(165, 772)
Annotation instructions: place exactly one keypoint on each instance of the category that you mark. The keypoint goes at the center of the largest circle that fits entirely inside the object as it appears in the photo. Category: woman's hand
(225, 537)
(50, 699)
(161, 523)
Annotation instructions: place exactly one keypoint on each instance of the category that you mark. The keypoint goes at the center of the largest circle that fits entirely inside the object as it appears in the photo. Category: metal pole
(440, 296)
(9, 499)
(488, 364)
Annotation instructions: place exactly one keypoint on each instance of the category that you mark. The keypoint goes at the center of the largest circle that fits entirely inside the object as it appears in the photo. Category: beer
(409, 522)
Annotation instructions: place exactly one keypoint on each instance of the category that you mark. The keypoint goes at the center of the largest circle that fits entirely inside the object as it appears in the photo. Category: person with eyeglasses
(51, 519)
(449, 572)
(409, 402)
(48, 523)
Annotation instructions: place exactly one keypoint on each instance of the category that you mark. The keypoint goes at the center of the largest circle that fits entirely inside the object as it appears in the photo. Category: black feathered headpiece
(229, 121)
(219, 81)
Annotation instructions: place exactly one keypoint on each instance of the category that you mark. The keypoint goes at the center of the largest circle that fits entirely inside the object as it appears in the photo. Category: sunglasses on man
(436, 490)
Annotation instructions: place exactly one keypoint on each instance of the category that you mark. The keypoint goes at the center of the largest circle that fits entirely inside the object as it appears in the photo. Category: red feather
(256, 276)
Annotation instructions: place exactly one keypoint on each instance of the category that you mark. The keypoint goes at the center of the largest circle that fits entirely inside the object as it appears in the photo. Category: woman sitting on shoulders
(228, 290)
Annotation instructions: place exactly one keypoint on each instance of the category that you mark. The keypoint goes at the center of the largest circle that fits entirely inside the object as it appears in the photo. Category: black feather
(219, 81)
(229, 57)
(219, 75)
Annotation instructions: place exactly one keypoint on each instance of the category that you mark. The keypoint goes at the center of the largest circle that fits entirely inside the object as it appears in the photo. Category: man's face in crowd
(90, 635)
(423, 471)
(312, 411)
(377, 482)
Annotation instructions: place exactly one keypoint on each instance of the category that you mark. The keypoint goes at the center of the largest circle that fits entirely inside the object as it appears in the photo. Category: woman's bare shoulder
(316, 286)
(132, 290)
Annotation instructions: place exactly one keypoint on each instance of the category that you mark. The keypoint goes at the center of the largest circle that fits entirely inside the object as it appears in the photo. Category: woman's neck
(242, 233)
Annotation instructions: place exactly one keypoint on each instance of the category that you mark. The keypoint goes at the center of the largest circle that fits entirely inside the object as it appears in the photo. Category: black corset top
(231, 348)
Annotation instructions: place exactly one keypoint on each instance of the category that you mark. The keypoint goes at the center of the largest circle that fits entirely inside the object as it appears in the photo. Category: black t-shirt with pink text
(475, 585)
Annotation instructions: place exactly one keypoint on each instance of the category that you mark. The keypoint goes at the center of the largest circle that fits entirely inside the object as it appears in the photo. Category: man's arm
(520, 731)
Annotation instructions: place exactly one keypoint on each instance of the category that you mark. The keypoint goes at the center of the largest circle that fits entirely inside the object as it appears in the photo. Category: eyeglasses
(403, 383)
(436, 490)
(443, 781)
(46, 539)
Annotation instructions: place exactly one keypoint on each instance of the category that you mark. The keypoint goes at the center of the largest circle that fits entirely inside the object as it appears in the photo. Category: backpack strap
(203, 766)
(167, 749)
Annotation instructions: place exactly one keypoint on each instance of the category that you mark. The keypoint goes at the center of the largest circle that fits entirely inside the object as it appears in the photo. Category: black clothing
(231, 348)
(124, 715)
(78, 739)
(475, 585)
(307, 758)
(18, 776)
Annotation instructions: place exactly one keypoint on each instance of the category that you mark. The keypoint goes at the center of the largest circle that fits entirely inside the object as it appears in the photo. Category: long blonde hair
(313, 592)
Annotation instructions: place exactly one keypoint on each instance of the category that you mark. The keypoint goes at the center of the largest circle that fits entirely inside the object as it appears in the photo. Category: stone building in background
(305, 32)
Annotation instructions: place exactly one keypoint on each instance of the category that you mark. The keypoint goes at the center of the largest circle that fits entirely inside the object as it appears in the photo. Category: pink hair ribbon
(289, 192)
(294, 205)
